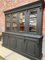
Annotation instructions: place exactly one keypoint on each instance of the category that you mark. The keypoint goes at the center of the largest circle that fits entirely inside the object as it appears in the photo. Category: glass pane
(8, 26)
(14, 22)
(33, 13)
(33, 21)
(22, 21)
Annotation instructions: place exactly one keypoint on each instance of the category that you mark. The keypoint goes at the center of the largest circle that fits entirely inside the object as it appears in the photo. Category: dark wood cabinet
(23, 30)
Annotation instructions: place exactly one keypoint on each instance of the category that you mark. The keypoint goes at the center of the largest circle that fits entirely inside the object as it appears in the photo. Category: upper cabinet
(26, 19)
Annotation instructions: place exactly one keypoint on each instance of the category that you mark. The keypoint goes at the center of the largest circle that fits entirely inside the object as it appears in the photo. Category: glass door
(22, 21)
(14, 22)
(8, 23)
(32, 20)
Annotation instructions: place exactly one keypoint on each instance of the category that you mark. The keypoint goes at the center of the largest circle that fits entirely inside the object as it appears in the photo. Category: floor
(11, 55)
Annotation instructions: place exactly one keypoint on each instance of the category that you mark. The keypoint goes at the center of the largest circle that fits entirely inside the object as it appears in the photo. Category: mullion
(17, 22)
(27, 21)
(10, 23)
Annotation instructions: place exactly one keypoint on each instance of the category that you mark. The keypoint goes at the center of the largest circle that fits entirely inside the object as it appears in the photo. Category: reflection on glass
(8, 25)
(14, 15)
(33, 21)
(22, 21)
(14, 23)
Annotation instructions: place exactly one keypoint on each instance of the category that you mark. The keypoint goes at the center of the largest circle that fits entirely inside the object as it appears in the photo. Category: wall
(16, 3)
(2, 22)
(44, 21)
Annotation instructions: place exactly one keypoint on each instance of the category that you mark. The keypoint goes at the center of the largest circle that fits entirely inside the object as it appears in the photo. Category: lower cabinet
(27, 46)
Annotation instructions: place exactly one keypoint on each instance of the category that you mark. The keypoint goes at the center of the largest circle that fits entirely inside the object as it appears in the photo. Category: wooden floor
(1, 58)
